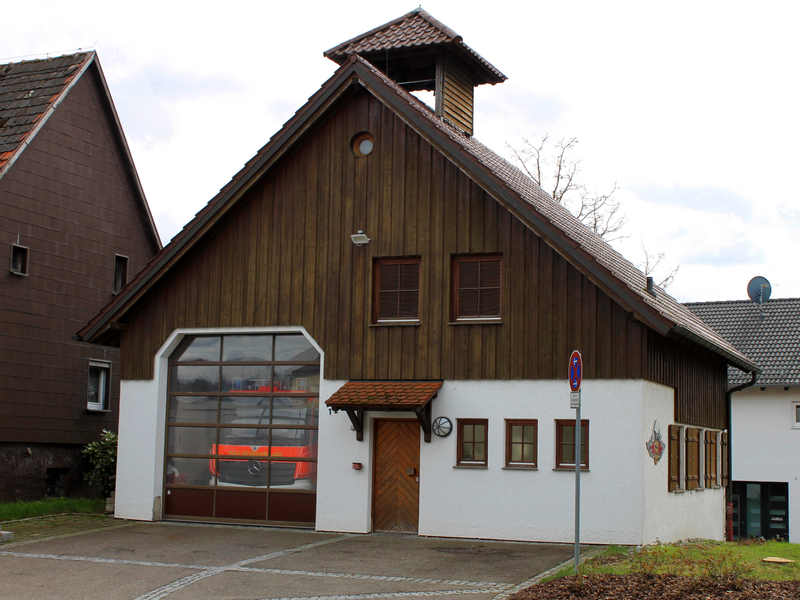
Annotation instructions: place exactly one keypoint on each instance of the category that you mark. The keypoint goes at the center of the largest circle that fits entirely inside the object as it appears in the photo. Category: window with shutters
(472, 442)
(476, 288)
(725, 470)
(711, 459)
(675, 458)
(565, 444)
(521, 443)
(396, 290)
(692, 435)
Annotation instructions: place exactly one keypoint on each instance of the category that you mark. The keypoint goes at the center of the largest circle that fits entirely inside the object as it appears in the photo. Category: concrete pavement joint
(393, 595)
(59, 536)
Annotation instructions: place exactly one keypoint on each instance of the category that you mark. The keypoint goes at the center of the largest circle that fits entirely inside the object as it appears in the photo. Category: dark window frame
(561, 424)
(376, 290)
(120, 273)
(456, 309)
(522, 464)
(19, 259)
(461, 424)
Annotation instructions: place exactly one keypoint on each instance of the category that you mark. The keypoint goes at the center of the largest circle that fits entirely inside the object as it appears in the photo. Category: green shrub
(102, 454)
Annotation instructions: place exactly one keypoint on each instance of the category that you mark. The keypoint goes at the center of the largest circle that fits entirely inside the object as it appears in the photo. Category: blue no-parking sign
(575, 371)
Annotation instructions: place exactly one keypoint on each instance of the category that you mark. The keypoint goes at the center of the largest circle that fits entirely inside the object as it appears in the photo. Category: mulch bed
(660, 587)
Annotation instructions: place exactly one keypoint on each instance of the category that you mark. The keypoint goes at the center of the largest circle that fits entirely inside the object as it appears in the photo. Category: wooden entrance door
(395, 496)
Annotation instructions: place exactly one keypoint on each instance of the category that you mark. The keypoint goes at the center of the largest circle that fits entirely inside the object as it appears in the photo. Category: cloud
(708, 199)
(740, 253)
(790, 216)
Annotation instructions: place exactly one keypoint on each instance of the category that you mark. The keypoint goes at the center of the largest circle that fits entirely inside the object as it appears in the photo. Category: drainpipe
(729, 488)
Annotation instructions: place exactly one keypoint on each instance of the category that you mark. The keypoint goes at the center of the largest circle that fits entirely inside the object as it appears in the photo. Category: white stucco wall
(765, 442)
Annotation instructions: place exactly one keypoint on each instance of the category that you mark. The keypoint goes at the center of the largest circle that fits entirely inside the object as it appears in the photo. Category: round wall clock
(442, 426)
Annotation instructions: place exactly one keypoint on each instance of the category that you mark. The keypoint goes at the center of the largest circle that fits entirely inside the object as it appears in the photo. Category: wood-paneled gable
(71, 200)
(285, 258)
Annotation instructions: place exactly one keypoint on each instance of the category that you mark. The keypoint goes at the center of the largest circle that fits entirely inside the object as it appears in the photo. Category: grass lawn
(11, 511)
(699, 558)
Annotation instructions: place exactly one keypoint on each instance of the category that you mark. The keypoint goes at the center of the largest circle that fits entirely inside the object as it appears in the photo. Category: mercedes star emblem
(253, 467)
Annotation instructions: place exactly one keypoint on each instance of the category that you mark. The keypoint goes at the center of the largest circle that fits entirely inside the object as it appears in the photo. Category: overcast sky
(691, 107)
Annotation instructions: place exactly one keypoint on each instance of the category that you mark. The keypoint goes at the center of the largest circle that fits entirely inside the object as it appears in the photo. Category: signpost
(575, 379)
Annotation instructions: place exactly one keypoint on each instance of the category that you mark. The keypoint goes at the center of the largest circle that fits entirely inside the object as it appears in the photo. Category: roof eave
(737, 361)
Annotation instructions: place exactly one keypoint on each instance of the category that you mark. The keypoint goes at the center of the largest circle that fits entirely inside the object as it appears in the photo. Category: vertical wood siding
(69, 199)
(286, 259)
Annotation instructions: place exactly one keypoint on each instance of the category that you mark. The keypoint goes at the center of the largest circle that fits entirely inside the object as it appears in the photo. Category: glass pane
(189, 471)
(295, 411)
(516, 433)
(246, 379)
(253, 348)
(480, 433)
(490, 273)
(468, 274)
(480, 451)
(527, 453)
(247, 409)
(530, 432)
(300, 378)
(468, 304)
(194, 379)
(245, 441)
(191, 440)
(490, 303)
(567, 434)
(193, 409)
(294, 347)
(95, 376)
(290, 442)
(466, 451)
(797, 413)
(197, 349)
(568, 454)
(468, 431)
(389, 277)
(516, 453)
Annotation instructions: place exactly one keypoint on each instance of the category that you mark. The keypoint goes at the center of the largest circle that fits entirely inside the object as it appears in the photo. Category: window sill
(470, 467)
(520, 468)
(570, 469)
(396, 324)
(477, 322)
(680, 491)
(19, 273)
(97, 410)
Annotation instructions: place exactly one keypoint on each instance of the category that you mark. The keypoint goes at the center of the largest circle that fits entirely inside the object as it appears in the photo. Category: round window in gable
(363, 144)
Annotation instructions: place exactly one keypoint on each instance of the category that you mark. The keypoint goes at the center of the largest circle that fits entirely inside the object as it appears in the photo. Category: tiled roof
(565, 230)
(27, 90)
(413, 30)
(773, 341)
(386, 394)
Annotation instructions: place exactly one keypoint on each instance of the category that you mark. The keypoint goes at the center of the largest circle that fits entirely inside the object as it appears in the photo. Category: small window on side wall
(796, 414)
(98, 390)
(19, 259)
(396, 290)
(472, 442)
(477, 286)
(565, 444)
(521, 443)
(120, 273)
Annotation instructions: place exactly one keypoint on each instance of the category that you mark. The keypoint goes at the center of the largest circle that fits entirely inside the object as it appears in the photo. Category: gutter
(729, 487)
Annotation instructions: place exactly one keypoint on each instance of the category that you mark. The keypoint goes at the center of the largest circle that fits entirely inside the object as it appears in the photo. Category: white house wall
(765, 443)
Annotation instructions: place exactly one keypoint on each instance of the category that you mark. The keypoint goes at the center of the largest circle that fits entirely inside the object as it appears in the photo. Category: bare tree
(553, 167)
(555, 170)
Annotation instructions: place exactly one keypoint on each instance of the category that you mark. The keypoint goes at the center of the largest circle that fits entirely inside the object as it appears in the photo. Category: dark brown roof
(27, 90)
(554, 223)
(415, 29)
(384, 394)
(773, 341)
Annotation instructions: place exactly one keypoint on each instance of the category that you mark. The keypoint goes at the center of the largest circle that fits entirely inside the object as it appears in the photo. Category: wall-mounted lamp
(359, 238)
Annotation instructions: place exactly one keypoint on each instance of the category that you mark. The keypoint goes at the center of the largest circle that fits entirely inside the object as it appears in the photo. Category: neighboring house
(765, 426)
(74, 224)
(374, 259)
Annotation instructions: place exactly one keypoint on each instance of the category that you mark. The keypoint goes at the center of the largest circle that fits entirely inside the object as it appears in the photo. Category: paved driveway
(149, 561)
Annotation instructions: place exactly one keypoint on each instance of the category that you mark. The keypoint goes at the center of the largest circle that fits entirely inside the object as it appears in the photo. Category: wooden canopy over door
(395, 498)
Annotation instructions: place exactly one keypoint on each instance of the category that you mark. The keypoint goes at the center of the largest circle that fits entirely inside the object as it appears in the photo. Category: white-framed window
(795, 415)
(98, 388)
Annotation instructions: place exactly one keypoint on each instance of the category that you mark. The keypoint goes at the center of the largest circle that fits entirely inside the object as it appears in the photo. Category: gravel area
(660, 587)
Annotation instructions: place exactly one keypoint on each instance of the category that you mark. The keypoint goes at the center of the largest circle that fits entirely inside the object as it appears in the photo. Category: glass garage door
(242, 421)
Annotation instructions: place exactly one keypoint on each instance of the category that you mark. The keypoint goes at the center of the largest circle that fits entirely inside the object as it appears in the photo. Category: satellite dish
(759, 289)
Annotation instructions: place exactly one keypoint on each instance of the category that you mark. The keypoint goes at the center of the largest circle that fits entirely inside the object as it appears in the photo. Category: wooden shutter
(396, 295)
(711, 458)
(674, 457)
(725, 465)
(692, 458)
(477, 289)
